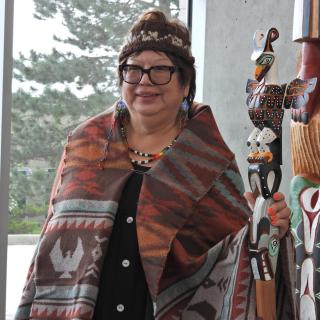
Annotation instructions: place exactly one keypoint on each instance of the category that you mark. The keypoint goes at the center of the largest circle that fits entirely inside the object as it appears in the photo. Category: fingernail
(271, 212)
(277, 196)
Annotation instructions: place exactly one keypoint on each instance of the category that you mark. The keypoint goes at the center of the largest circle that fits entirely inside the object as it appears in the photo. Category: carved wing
(297, 93)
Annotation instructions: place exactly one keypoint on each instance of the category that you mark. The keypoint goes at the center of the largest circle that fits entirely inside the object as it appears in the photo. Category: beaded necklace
(151, 156)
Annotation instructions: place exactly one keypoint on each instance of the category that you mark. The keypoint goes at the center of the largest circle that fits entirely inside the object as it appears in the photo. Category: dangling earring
(184, 112)
(121, 110)
(185, 105)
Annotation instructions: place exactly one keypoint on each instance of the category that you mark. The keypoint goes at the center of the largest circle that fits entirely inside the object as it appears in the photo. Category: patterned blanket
(191, 226)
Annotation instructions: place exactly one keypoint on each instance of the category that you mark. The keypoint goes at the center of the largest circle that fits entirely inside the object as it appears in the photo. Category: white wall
(228, 33)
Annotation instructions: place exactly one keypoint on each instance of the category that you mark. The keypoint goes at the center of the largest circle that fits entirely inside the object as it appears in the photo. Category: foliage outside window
(59, 90)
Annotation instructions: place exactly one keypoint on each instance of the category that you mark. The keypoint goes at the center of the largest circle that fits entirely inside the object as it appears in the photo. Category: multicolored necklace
(151, 156)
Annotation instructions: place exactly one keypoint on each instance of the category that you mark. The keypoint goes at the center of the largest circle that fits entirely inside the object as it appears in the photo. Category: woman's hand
(278, 212)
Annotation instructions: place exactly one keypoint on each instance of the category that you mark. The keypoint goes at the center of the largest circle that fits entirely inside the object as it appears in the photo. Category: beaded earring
(184, 112)
(121, 106)
(185, 105)
(121, 110)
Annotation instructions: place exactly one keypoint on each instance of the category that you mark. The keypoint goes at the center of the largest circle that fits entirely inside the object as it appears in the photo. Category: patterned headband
(157, 36)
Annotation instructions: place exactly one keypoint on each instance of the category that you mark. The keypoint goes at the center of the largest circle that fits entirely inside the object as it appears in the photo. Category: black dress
(123, 292)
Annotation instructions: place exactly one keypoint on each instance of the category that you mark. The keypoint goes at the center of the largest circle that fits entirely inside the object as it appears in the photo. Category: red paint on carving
(306, 290)
(313, 202)
(315, 198)
(311, 216)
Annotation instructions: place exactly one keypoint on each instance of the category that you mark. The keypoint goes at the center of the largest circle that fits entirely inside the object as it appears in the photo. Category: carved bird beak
(260, 71)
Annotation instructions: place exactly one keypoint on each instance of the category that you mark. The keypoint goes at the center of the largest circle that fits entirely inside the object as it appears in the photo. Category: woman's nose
(145, 80)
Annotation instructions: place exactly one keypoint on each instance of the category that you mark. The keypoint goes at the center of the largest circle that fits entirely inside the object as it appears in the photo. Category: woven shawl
(191, 226)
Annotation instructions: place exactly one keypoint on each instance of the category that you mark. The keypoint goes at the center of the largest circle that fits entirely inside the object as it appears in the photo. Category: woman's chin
(146, 109)
(151, 99)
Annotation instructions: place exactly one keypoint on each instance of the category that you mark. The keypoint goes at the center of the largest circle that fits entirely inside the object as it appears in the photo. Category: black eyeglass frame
(172, 70)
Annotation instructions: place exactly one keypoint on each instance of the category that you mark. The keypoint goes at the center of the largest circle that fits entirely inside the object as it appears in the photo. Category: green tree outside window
(54, 103)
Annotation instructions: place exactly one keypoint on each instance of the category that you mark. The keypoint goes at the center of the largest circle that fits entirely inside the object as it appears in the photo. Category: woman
(147, 218)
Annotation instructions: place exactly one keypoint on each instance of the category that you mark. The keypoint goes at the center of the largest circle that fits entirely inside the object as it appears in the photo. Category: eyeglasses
(158, 75)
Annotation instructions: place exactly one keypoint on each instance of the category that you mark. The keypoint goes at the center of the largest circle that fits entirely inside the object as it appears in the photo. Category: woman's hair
(154, 31)
(186, 75)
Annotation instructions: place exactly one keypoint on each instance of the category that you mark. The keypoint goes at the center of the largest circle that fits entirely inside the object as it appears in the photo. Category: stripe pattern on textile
(186, 288)
(216, 297)
(77, 226)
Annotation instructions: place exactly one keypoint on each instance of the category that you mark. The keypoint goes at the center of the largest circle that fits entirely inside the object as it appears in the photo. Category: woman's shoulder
(197, 107)
(95, 125)
(204, 124)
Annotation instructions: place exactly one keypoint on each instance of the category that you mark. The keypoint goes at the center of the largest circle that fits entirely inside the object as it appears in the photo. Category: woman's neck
(151, 134)
(146, 127)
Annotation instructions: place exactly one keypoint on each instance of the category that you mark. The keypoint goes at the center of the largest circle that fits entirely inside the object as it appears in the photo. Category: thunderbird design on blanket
(66, 262)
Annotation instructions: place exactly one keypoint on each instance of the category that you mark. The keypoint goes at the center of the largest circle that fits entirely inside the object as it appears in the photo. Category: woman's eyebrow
(133, 60)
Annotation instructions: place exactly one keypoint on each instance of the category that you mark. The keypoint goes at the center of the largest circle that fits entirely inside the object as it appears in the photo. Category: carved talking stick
(265, 103)
(305, 146)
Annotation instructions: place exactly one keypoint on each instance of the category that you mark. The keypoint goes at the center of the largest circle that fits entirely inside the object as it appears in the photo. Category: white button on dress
(125, 263)
(120, 307)
(129, 220)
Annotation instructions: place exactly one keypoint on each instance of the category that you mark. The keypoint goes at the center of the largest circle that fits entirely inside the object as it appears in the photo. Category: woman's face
(147, 98)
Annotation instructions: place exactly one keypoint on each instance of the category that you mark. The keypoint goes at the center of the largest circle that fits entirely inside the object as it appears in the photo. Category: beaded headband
(158, 36)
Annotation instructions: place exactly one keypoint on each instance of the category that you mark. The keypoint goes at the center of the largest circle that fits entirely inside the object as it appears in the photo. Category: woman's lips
(147, 96)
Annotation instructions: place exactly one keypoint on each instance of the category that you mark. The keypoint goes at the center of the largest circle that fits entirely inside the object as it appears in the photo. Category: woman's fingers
(278, 196)
(278, 206)
(279, 213)
(283, 225)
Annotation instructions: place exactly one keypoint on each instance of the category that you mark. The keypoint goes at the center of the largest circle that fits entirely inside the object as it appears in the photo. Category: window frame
(6, 36)
(197, 19)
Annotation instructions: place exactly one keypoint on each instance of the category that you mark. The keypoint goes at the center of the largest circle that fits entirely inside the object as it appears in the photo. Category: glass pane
(65, 58)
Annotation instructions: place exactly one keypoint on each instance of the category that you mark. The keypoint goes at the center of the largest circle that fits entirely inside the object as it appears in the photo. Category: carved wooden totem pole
(305, 147)
(265, 110)
(267, 100)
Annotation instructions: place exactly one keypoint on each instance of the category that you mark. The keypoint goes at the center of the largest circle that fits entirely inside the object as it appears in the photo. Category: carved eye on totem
(310, 200)
(265, 59)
